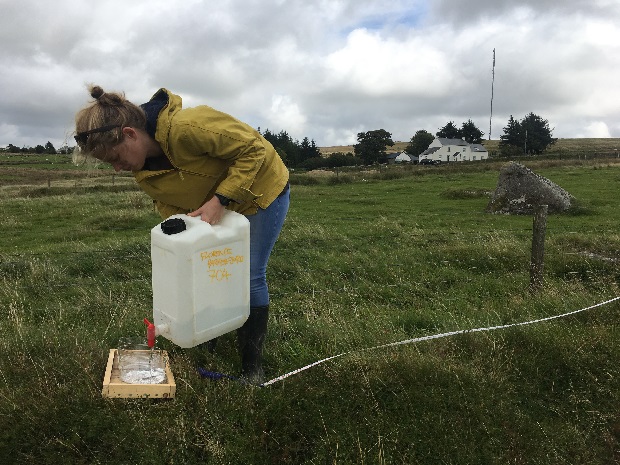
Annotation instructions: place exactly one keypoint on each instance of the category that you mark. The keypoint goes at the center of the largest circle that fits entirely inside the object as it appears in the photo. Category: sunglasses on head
(82, 137)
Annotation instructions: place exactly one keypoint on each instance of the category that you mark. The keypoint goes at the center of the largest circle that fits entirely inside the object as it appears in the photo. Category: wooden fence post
(537, 262)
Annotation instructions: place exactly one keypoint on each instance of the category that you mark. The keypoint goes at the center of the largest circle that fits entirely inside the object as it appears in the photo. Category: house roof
(444, 141)
(478, 148)
(430, 150)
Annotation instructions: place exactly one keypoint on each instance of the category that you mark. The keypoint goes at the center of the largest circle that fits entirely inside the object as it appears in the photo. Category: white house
(399, 157)
(449, 150)
(403, 157)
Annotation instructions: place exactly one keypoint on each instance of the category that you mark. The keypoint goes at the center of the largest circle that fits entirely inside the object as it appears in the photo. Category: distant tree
(419, 142)
(283, 141)
(531, 135)
(304, 150)
(372, 144)
(313, 163)
(449, 131)
(293, 153)
(13, 149)
(39, 149)
(471, 133)
(49, 148)
(538, 135)
(65, 149)
(308, 149)
(336, 160)
(512, 134)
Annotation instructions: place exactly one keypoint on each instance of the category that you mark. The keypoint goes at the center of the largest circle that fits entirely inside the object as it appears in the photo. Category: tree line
(306, 154)
(531, 135)
(38, 149)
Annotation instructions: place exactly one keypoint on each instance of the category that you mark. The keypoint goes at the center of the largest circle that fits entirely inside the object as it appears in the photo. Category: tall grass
(360, 263)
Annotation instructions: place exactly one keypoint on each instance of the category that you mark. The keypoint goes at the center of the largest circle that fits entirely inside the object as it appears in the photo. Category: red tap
(150, 333)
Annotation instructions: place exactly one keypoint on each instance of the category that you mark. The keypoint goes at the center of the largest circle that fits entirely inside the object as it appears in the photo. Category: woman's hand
(211, 212)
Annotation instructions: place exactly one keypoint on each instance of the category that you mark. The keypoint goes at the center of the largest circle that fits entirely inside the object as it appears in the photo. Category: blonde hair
(99, 126)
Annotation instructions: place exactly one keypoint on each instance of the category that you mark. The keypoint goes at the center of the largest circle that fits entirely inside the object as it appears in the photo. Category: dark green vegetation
(371, 146)
(530, 136)
(468, 130)
(365, 258)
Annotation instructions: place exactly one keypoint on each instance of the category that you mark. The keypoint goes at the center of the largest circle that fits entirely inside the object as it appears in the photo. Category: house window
(474, 157)
(449, 148)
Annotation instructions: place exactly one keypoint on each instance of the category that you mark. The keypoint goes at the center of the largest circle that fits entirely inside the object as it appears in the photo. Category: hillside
(581, 145)
(325, 151)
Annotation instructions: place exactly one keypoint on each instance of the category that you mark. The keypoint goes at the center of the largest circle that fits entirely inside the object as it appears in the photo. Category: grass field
(364, 259)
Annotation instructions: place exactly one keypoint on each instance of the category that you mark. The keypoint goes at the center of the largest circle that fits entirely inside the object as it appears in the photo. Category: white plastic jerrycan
(201, 277)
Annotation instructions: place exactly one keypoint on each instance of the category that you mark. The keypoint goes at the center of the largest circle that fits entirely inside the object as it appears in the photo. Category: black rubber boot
(251, 338)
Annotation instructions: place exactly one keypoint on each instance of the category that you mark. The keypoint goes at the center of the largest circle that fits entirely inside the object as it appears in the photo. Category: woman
(201, 162)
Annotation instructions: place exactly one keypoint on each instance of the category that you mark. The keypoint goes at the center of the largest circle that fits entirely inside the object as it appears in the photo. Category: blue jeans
(265, 227)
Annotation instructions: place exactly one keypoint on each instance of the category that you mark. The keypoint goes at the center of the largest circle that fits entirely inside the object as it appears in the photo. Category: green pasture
(43, 161)
(365, 258)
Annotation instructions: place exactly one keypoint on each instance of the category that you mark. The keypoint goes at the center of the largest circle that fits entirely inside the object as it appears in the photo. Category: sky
(322, 69)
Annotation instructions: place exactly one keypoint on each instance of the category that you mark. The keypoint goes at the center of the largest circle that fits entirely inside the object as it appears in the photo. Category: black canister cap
(173, 226)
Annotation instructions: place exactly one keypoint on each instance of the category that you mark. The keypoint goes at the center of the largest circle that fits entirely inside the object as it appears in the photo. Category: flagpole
(492, 85)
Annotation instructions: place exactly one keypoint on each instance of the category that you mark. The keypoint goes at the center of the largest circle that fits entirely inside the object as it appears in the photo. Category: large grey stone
(519, 191)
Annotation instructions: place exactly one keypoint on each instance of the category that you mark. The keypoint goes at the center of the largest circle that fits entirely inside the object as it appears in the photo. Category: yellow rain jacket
(210, 152)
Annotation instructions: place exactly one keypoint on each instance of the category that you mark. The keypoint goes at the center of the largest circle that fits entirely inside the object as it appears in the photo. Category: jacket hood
(152, 108)
(159, 110)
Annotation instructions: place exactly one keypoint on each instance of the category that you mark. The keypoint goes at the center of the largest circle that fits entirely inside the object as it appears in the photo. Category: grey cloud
(240, 56)
(461, 13)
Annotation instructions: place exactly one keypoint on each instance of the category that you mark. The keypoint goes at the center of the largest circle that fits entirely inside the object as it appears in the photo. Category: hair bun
(96, 92)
